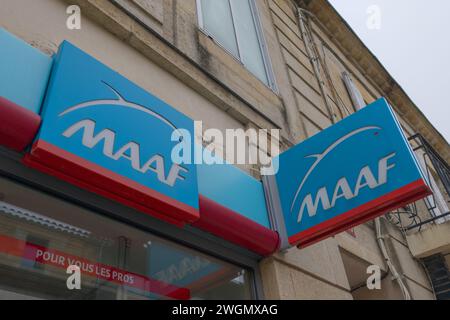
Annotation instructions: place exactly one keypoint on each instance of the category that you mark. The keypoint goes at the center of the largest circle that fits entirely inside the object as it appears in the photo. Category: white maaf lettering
(130, 151)
(342, 189)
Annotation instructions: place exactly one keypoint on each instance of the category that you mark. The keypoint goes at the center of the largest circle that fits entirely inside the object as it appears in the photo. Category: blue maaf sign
(106, 134)
(354, 171)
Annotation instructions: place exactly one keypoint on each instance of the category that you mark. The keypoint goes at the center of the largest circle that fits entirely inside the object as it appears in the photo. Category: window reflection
(40, 236)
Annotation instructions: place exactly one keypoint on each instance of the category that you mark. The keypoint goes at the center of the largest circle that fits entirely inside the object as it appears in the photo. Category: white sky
(413, 43)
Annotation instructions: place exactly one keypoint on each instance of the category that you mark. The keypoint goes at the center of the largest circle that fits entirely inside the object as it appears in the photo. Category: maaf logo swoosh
(121, 102)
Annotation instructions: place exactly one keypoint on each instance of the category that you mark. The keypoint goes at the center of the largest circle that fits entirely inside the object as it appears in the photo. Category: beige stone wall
(287, 282)
(432, 240)
(362, 243)
(409, 268)
(166, 53)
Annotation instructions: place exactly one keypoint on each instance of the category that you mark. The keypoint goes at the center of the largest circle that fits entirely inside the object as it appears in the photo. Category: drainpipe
(309, 41)
(392, 269)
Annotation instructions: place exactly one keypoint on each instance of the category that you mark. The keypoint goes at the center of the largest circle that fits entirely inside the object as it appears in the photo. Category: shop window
(40, 236)
(235, 25)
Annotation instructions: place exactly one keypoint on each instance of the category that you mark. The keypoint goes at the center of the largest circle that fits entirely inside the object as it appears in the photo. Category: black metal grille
(408, 217)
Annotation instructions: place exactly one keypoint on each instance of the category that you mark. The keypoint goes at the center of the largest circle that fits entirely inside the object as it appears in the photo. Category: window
(234, 24)
(353, 91)
(40, 236)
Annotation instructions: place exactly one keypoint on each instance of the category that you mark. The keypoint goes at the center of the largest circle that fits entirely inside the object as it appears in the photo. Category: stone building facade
(312, 71)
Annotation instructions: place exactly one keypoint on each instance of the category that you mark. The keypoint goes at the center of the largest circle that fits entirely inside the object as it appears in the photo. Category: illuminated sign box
(107, 135)
(352, 172)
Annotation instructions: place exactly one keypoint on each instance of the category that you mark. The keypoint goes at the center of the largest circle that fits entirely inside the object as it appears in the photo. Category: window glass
(250, 48)
(232, 24)
(217, 20)
(40, 236)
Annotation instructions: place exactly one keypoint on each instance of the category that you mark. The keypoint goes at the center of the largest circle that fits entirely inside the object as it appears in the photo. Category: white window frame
(259, 33)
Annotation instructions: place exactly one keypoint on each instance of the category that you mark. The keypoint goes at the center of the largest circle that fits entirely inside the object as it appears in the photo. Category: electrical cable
(316, 57)
(324, 61)
(392, 269)
(330, 80)
(308, 42)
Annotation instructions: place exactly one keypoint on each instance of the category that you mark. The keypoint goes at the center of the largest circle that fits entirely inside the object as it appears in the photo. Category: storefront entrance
(41, 235)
